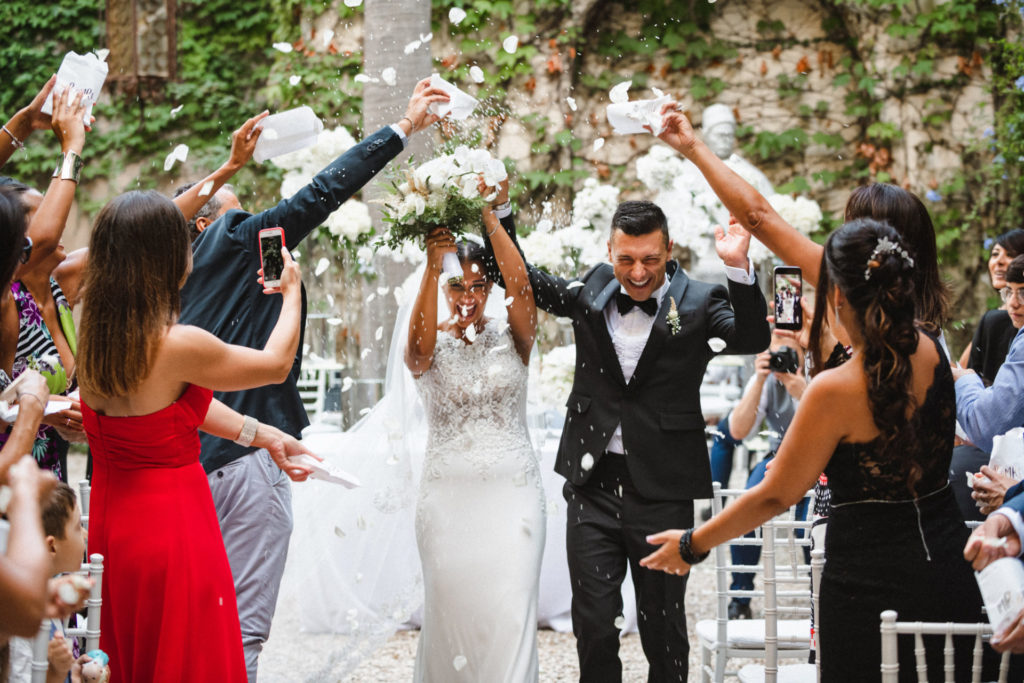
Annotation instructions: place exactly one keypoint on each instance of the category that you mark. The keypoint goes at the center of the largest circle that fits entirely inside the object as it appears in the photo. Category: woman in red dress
(147, 384)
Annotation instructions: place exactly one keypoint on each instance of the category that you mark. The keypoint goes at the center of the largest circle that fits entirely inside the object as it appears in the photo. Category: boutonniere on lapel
(673, 316)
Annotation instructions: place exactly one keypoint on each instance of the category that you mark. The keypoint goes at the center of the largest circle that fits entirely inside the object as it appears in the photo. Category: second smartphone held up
(271, 243)
(788, 290)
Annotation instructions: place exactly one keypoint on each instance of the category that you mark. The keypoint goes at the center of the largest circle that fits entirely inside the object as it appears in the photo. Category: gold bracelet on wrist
(70, 167)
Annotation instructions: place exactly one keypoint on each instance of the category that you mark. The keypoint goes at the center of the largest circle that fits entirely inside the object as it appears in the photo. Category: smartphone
(788, 290)
(271, 243)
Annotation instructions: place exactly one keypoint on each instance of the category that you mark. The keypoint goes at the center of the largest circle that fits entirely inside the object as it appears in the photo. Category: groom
(633, 449)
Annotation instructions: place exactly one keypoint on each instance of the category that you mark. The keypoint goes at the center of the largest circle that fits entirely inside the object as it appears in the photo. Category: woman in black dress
(881, 427)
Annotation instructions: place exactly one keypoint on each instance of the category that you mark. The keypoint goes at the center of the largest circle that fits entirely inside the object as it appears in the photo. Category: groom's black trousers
(605, 529)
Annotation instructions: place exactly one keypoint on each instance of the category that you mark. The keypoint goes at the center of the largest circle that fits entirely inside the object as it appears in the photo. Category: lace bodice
(866, 471)
(475, 398)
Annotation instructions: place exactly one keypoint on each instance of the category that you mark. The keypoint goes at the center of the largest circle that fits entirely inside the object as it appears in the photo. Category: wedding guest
(995, 332)
(147, 385)
(881, 201)
(633, 451)
(770, 398)
(252, 498)
(65, 544)
(881, 428)
(36, 327)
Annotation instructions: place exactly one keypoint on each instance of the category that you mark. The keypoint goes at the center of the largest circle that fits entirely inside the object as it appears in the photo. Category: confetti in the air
(321, 267)
(456, 15)
(179, 153)
(477, 74)
(620, 93)
(459, 662)
(510, 44)
(353, 3)
(412, 47)
(177, 110)
(389, 75)
(283, 47)
(206, 189)
(294, 80)
(587, 462)
(598, 144)
(572, 103)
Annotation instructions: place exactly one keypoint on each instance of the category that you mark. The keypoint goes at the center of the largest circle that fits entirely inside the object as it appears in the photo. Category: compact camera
(784, 360)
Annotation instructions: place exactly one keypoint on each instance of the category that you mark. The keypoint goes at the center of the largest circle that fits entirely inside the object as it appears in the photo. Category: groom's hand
(732, 247)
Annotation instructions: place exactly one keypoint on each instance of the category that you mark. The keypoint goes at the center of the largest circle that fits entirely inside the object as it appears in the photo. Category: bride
(480, 515)
(472, 503)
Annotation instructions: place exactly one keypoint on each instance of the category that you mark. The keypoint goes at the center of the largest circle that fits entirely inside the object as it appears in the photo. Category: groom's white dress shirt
(629, 333)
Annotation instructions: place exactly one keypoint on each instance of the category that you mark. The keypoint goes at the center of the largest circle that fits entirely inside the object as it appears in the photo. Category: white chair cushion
(789, 673)
(794, 634)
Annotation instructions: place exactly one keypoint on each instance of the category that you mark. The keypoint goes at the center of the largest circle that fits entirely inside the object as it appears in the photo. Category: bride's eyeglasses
(1007, 294)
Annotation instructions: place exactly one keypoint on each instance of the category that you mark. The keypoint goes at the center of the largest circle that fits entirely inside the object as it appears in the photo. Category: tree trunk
(390, 25)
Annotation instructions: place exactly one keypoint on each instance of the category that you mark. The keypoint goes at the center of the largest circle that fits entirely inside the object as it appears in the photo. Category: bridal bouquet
(442, 192)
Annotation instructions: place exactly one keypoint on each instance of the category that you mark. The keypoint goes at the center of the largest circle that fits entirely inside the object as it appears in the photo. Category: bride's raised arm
(522, 310)
(748, 205)
(419, 351)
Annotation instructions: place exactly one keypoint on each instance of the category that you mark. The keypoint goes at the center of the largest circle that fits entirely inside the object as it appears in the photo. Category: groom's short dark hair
(640, 218)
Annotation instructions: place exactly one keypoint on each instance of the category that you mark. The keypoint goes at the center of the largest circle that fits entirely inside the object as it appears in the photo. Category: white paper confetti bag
(287, 131)
(85, 73)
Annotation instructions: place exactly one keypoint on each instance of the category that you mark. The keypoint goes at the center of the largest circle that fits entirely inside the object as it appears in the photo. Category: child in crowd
(65, 541)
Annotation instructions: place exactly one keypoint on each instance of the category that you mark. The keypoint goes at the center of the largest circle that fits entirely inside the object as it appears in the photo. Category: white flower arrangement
(557, 369)
(594, 205)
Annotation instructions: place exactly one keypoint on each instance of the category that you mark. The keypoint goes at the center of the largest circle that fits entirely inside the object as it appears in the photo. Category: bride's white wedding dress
(480, 514)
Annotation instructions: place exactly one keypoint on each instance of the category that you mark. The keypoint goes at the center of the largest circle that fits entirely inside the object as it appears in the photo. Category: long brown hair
(879, 285)
(138, 257)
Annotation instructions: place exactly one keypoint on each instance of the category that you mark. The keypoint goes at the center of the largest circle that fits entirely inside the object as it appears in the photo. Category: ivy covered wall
(829, 93)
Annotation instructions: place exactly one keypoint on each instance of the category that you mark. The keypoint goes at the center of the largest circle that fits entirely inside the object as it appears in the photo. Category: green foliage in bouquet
(448, 208)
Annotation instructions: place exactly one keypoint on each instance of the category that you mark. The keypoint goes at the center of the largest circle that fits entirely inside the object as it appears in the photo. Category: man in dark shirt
(252, 496)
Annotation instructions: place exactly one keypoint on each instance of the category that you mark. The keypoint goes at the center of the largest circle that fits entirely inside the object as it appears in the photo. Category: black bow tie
(626, 304)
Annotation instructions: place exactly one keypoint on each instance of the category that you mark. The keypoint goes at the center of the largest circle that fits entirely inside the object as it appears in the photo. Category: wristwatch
(70, 167)
(686, 549)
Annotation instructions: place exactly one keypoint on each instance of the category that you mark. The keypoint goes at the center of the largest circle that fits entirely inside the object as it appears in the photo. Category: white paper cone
(630, 117)
(450, 266)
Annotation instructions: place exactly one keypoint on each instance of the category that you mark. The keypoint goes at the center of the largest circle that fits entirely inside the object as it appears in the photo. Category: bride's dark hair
(469, 251)
(871, 265)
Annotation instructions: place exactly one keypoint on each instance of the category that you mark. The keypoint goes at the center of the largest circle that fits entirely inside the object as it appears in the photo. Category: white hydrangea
(802, 213)
(659, 168)
(557, 369)
(544, 250)
(309, 161)
(595, 205)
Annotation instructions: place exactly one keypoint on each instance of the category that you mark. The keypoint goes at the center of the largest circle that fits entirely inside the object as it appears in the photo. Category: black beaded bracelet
(686, 549)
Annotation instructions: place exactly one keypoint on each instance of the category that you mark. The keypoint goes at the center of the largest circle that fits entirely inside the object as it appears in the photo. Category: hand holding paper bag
(459, 104)
(639, 116)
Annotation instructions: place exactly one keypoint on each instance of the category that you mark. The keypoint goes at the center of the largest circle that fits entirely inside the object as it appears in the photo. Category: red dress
(169, 610)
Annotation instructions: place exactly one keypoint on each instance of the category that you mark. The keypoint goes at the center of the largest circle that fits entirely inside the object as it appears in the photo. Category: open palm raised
(732, 246)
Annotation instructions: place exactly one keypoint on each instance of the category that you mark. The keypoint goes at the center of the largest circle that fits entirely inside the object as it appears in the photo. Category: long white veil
(353, 572)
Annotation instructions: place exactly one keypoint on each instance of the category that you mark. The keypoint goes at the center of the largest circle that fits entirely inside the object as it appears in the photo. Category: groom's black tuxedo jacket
(659, 408)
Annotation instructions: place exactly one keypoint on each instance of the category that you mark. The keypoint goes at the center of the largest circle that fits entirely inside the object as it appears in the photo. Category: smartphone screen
(788, 289)
(271, 242)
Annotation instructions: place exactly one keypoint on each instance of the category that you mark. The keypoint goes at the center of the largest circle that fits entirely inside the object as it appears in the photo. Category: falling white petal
(294, 80)
(474, 268)
(364, 354)
(379, 333)
(389, 76)
(477, 74)
(509, 300)
(471, 333)
(425, 37)
(598, 144)
(353, 3)
(176, 110)
(498, 348)
(456, 15)
(587, 462)
(369, 299)
(574, 285)
(459, 662)
(572, 103)
(327, 36)
(412, 47)
(283, 47)
(179, 153)
(330, 301)
(620, 622)
(334, 321)
(620, 93)
(363, 78)
(206, 189)
(716, 344)
(510, 44)
(102, 53)
(346, 383)
(321, 267)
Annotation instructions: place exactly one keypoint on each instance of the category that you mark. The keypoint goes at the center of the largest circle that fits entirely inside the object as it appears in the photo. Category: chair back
(84, 489)
(88, 636)
(891, 629)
